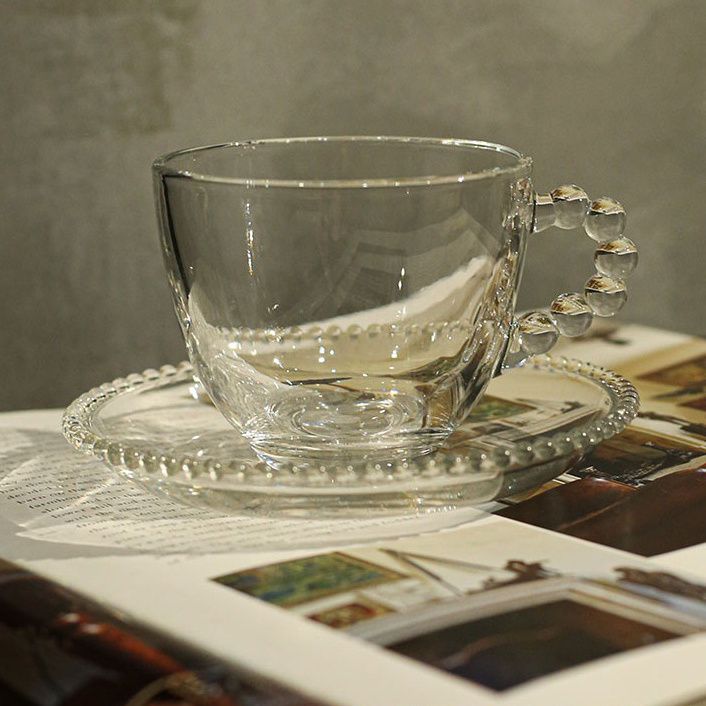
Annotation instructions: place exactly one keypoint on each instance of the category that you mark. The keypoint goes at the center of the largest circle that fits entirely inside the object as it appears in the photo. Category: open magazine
(590, 589)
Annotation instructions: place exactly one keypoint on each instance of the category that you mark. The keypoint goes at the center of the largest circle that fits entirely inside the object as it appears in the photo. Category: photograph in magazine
(462, 601)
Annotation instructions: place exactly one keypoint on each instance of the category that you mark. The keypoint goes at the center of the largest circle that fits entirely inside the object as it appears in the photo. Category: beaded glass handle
(605, 294)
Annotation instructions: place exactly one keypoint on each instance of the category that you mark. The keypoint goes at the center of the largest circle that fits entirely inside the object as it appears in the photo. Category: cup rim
(162, 165)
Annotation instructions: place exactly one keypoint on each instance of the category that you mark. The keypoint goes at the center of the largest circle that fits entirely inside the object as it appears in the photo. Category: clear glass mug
(348, 299)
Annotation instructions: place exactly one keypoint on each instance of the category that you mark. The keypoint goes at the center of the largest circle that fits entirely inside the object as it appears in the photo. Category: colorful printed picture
(689, 374)
(490, 408)
(636, 455)
(350, 613)
(509, 649)
(677, 425)
(661, 516)
(293, 582)
(497, 422)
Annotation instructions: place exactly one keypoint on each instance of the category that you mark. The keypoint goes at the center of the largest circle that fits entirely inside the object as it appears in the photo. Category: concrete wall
(609, 95)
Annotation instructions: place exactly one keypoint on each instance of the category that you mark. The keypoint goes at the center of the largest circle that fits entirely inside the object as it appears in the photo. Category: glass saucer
(535, 422)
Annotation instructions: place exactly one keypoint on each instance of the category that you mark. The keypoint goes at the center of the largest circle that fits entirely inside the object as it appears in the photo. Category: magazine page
(460, 613)
(590, 589)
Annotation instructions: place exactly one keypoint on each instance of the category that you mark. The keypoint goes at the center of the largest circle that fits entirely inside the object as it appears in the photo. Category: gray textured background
(609, 95)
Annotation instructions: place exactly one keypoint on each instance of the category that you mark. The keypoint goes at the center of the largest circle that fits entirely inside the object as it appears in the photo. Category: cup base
(279, 452)
(335, 413)
(330, 425)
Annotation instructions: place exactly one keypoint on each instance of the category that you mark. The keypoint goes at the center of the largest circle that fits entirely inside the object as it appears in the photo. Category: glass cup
(347, 299)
